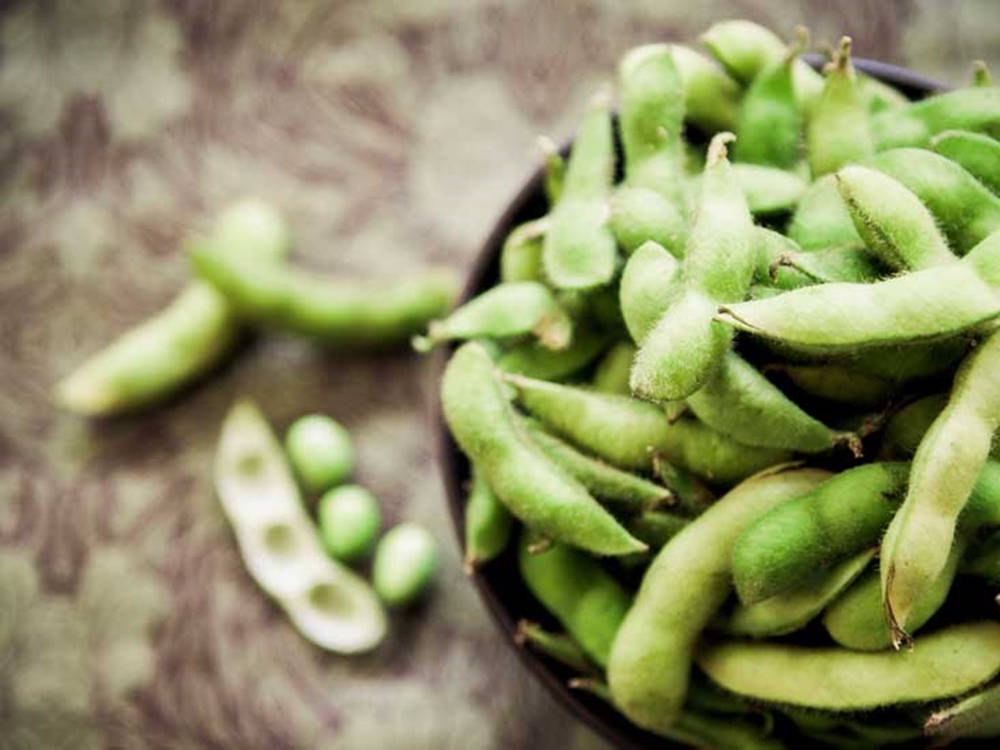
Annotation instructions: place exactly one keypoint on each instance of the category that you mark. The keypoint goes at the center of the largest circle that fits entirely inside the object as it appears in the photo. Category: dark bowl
(499, 583)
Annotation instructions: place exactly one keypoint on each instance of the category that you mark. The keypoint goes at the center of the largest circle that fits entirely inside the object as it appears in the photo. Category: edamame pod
(639, 214)
(521, 254)
(650, 279)
(627, 432)
(945, 469)
(555, 169)
(975, 109)
(894, 225)
(907, 427)
(966, 211)
(611, 373)
(718, 266)
(978, 154)
(837, 127)
(557, 646)
(788, 612)
(516, 308)
(534, 359)
(916, 306)
(655, 527)
(487, 523)
(326, 602)
(332, 310)
(404, 564)
(943, 664)
(837, 383)
(852, 263)
(533, 488)
(768, 190)
(573, 586)
(770, 127)
(857, 619)
(821, 219)
(711, 97)
(975, 716)
(650, 663)
(579, 250)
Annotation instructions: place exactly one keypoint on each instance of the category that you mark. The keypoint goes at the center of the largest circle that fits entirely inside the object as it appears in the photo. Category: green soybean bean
(406, 560)
(821, 219)
(917, 306)
(840, 518)
(186, 339)
(534, 359)
(516, 308)
(837, 128)
(321, 451)
(332, 310)
(348, 522)
(837, 383)
(975, 109)
(984, 562)
(975, 716)
(788, 612)
(740, 402)
(655, 527)
(650, 278)
(907, 427)
(852, 263)
(611, 374)
(521, 254)
(627, 432)
(746, 49)
(894, 225)
(627, 491)
(554, 167)
(718, 266)
(579, 593)
(857, 619)
(650, 664)
(949, 662)
(487, 523)
(579, 250)
(532, 487)
(711, 97)
(978, 154)
(770, 126)
(965, 210)
(559, 647)
(325, 601)
(639, 214)
(946, 466)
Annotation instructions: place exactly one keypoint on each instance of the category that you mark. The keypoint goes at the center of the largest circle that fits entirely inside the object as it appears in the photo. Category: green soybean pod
(821, 219)
(650, 278)
(711, 97)
(534, 359)
(718, 266)
(857, 619)
(740, 402)
(975, 109)
(880, 96)
(966, 211)
(946, 466)
(840, 518)
(655, 527)
(650, 664)
(579, 593)
(905, 362)
(837, 383)
(406, 560)
(521, 254)
(617, 487)
(785, 613)
(516, 308)
(579, 250)
(907, 427)
(918, 306)
(837, 127)
(894, 225)
(537, 491)
(942, 664)
(768, 190)
(332, 310)
(746, 49)
(978, 154)
(629, 432)
(349, 519)
(559, 647)
(554, 169)
(637, 215)
(487, 523)
(611, 373)
(321, 451)
(838, 263)
(975, 716)
(770, 126)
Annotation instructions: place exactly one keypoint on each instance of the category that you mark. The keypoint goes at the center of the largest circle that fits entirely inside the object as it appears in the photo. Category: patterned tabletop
(391, 134)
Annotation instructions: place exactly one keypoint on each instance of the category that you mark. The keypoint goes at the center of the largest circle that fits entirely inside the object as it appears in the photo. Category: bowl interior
(499, 583)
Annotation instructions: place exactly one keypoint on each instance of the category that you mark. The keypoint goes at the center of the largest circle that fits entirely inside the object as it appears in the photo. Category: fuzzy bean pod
(711, 97)
(521, 254)
(975, 716)
(978, 154)
(821, 219)
(612, 372)
(487, 523)
(559, 647)
(650, 279)
(534, 359)
(975, 109)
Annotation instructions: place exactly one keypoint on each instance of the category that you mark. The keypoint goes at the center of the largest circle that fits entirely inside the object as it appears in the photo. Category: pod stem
(537, 548)
(841, 59)
(595, 687)
(798, 45)
(717, 150)
(981, 77)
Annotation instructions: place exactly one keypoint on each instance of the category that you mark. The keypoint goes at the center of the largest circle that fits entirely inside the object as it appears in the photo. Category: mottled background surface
(391, 133)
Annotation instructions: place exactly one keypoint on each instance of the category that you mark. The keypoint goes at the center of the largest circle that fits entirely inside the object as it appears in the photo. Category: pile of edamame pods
(734, 413)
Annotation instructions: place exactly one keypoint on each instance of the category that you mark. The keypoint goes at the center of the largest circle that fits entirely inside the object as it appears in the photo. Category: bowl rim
(605, 721)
